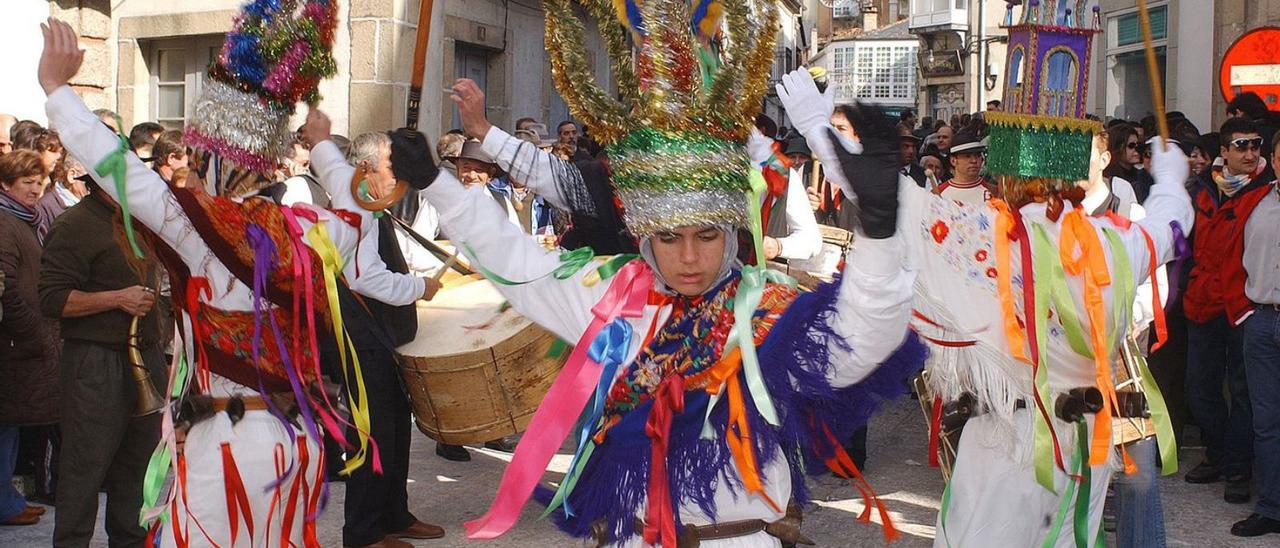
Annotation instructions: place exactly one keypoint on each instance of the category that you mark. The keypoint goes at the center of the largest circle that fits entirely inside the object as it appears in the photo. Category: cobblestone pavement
(450, 493)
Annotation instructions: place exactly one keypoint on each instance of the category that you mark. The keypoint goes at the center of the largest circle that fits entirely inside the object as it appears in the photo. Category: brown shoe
(420, 530)
(23, 518)
(37, 510)
(388, 542)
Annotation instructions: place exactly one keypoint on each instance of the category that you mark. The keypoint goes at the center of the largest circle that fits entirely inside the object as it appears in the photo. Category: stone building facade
(145, 59)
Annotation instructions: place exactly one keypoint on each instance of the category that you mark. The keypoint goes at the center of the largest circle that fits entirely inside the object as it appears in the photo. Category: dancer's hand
(470, 101)
(318, 128)
(62, 56)
(1168, 163)
(807, 107)
(759, 148)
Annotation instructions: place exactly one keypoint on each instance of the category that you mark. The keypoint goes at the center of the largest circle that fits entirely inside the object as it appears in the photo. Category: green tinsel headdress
(691, 74)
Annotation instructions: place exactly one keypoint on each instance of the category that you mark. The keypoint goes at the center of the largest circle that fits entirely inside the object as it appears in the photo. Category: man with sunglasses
(1216, 304)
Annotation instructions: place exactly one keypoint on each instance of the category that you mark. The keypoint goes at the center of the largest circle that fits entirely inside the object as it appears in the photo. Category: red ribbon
(935, 431)
(197, 286)
(668, 400)
(237, 498)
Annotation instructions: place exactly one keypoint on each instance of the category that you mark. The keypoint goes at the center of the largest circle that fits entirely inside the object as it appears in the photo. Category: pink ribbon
(551, 424)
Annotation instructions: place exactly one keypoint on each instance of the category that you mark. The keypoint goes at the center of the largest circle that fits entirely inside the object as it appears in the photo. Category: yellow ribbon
(332, 261)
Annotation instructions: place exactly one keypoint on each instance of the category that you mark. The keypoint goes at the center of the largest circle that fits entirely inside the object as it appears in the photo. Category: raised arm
(89, 141)
(555, 180)
(479, 227)
(1168, 202)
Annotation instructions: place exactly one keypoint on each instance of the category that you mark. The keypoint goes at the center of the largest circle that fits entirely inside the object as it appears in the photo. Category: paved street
(450, 493)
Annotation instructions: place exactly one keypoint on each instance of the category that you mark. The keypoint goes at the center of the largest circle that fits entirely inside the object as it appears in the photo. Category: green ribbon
(754, 200)
(570, 263)
(942, 513)
(1061, 516)
(570, 480)
(1081, 521)
(115, 165)
(1160, 418)
(1044, 255)
(558, 348)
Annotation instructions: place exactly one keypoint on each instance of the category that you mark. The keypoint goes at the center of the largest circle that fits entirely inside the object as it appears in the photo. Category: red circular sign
(1252, 63)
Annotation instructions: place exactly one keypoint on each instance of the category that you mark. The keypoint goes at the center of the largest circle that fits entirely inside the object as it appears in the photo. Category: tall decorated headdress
(275, 56)
(1043, 136)
(691, 75)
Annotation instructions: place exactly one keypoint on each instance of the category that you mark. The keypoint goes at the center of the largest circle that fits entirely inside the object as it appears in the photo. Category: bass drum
(477, 369)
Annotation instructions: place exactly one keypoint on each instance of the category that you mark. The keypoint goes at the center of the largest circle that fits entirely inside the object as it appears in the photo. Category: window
(1129, 28)
(171, 87)
(1058, 94)
(1015, 68)
(875, 71)
(177, 70)
(847, 8)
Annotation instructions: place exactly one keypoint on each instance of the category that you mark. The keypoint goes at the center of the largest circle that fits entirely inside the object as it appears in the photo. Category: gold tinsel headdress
(691, 75)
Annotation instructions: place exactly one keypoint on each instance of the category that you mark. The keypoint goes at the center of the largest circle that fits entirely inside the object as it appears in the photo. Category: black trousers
(103, 445)
(377, 505)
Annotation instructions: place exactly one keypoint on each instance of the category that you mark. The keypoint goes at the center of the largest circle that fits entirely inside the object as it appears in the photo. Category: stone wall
(92, 21)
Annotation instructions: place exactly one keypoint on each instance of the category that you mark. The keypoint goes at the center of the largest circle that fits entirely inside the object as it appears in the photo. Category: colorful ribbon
(668, 401)
(564, 402)
(1082, 255)
(332, 263)
(609, 350)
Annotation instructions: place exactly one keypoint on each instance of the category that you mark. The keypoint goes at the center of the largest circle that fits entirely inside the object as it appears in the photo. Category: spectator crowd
(73, 294)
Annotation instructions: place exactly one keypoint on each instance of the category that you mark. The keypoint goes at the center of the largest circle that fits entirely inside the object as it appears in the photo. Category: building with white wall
(878, 67)
(1184, 44)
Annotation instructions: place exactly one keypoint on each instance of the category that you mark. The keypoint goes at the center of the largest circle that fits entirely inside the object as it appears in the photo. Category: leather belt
(250, 403)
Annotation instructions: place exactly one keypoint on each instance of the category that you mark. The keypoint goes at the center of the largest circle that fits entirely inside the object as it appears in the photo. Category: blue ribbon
(609, 349)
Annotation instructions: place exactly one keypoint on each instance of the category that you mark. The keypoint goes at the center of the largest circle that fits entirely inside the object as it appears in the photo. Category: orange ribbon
(1082, 255)
(1004, 280)
(843, 466)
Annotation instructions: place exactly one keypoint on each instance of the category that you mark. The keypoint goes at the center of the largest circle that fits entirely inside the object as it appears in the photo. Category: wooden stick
(453, 259)
(1153, 73)
(419, 64)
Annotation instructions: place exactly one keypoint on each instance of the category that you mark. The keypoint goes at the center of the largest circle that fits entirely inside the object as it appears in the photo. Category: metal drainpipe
(982, 54)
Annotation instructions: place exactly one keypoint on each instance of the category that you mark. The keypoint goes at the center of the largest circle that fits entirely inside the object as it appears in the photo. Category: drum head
(463, 317)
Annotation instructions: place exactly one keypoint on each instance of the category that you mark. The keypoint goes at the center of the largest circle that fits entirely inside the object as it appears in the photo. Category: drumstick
(453, 259)
(435, 249)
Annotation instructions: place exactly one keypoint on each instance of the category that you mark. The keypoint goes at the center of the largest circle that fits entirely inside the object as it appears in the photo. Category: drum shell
(484, 394)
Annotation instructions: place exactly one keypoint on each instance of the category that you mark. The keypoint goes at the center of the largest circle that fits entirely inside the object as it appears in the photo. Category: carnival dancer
(709, 388)
(247, 276)
(1026, 300)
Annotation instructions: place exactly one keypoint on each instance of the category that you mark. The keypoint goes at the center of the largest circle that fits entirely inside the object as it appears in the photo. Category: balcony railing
(939, 15)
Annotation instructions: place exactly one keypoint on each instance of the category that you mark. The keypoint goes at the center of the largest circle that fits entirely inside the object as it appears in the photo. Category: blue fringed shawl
(796, 363)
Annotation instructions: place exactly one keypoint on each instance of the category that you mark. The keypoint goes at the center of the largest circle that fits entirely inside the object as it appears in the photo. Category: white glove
(807, 108)
(759, 148)
(1168, 163)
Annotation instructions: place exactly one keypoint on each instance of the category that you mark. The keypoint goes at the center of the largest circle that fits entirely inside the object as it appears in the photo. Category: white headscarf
(727, 265)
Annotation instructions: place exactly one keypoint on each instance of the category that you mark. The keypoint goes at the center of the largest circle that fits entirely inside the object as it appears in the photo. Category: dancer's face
(689, 257)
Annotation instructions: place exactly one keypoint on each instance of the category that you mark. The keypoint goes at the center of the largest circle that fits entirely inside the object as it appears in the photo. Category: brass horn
(149, 399)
